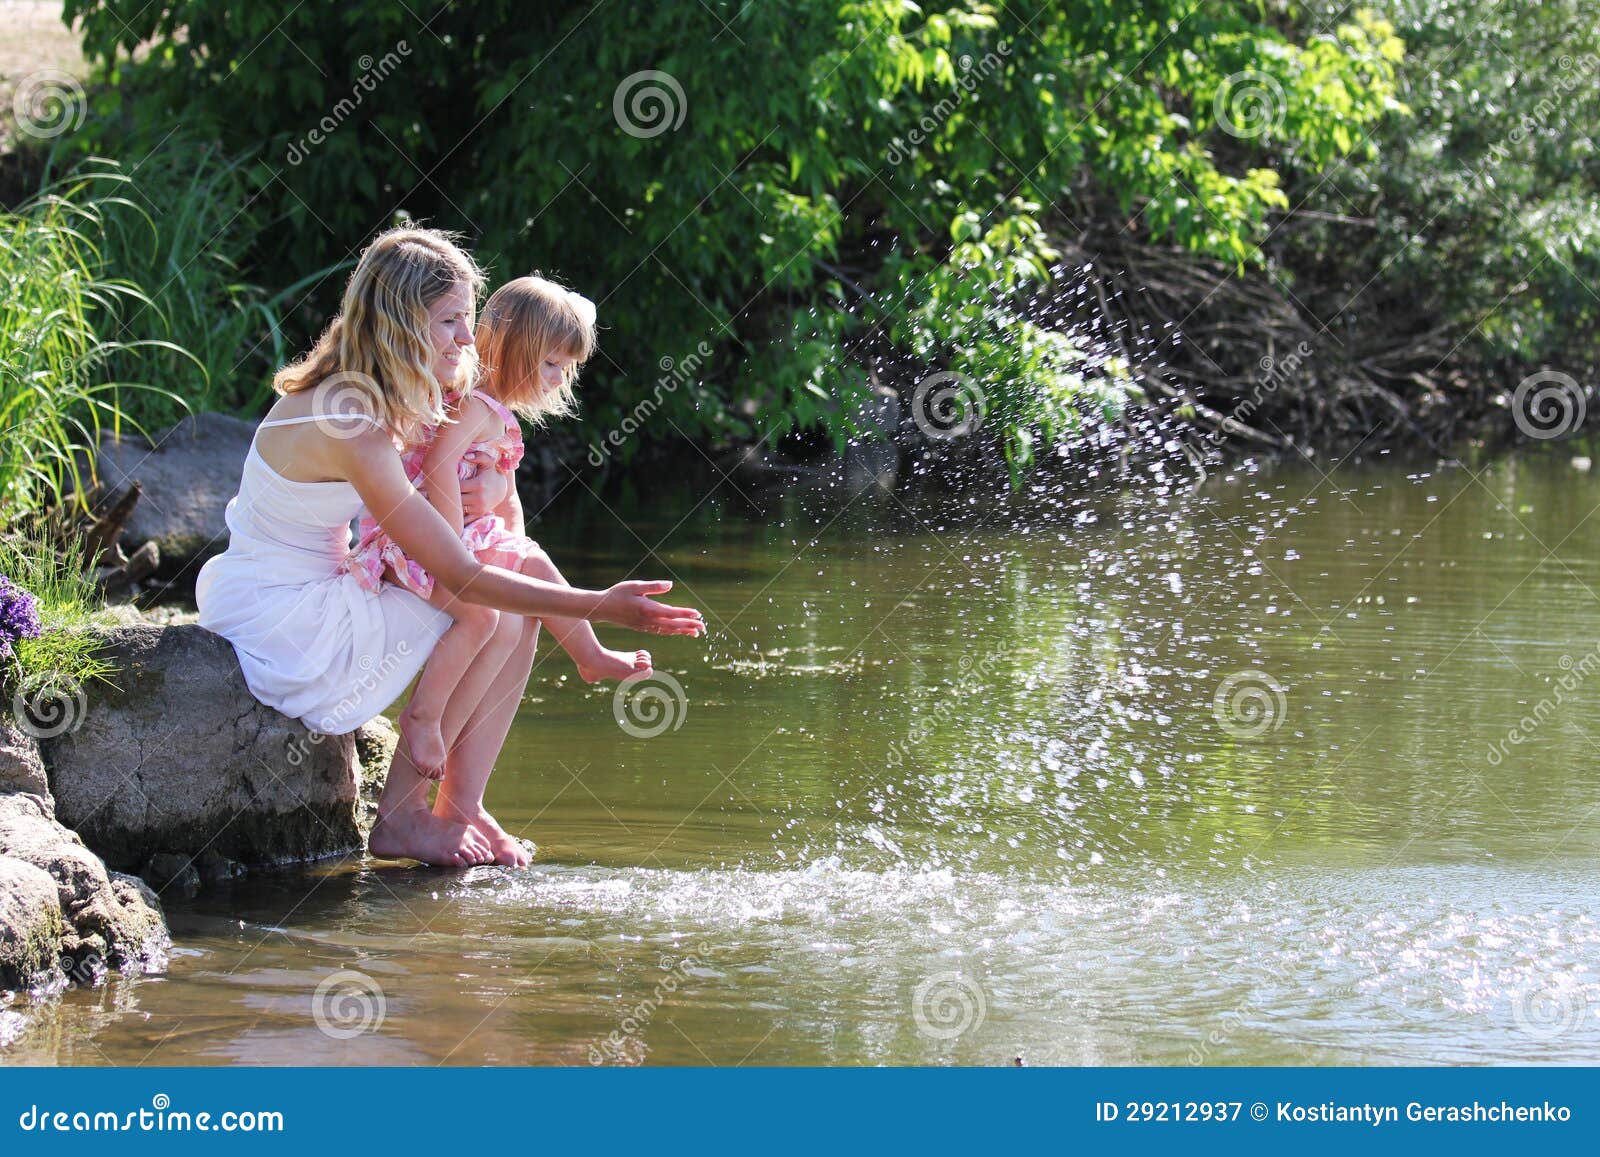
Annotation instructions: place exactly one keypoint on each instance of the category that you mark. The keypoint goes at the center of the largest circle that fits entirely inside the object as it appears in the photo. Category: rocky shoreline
(167, 780)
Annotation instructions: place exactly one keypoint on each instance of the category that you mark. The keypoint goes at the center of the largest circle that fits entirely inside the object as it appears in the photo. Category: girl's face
(449, 332)
(554, 370)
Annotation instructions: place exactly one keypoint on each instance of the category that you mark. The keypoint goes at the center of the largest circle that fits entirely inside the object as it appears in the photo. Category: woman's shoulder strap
(353, 416)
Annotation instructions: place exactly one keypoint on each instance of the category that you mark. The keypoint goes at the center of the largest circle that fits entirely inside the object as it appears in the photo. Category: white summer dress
(312, 643)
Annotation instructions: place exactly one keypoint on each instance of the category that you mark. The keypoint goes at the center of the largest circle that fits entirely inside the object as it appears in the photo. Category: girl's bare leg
(422, 720)
(407, 830)
(576, 636)
(473, 755)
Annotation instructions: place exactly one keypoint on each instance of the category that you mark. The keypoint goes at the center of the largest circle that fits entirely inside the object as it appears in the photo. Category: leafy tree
(821, 191)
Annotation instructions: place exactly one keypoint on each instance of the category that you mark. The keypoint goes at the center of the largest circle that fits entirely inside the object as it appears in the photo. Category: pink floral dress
(375, 552)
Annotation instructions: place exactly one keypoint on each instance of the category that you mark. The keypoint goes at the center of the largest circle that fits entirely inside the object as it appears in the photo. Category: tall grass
(182, 232)
(124, 306)
(56, 308)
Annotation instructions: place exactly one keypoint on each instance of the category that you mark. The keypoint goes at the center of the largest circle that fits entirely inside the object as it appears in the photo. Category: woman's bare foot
(428, 751)
(603, 663)
(508, 849)
(414, 834)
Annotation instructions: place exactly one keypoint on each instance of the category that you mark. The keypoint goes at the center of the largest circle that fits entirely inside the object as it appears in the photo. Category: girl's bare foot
(603, 663)
(414, 834)
(508, 849)
(428, 751)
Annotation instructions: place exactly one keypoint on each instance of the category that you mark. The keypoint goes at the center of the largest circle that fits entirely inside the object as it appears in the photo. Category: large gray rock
(99, 920)
(376, 741)
(189, 472)
(21, 765)
(30, 925)
(180, 758)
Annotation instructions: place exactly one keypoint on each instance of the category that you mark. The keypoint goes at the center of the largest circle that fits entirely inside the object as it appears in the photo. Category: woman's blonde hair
(379, 347)
(524, 322)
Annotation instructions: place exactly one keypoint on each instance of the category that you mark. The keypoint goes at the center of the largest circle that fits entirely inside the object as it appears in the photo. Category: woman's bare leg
(407, 830)
(473, 755)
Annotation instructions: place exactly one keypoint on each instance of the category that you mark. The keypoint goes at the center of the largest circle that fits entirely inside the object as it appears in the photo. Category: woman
(311, 641)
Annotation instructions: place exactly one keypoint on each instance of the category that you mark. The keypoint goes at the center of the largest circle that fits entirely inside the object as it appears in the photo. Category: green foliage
(1484, 205)
(65, 656)
(812, 187)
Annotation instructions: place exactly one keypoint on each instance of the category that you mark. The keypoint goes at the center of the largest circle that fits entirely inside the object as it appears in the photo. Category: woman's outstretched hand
(629, 605)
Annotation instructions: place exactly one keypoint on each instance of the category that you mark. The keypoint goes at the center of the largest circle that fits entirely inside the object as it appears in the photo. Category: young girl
(531, 339)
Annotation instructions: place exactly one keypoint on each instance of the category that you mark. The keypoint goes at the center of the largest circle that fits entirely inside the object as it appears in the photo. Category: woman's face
(450, 332)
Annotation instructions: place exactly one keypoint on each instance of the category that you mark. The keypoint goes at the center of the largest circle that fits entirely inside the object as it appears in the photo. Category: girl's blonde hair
(524, 322)
(379, 347)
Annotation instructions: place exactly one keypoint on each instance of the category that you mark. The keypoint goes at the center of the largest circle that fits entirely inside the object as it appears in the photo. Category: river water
(1298, 765)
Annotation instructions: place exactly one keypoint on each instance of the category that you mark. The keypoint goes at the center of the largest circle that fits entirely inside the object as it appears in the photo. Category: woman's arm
(373, 468)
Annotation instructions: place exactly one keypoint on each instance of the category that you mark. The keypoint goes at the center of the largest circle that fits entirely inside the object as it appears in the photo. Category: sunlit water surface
(1295, 766)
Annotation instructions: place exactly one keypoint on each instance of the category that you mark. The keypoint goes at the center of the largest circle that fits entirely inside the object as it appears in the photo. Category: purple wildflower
(19, 615)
